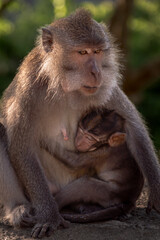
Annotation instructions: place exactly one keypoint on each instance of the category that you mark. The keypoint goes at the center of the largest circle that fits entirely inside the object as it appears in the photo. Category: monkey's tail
(110, 213)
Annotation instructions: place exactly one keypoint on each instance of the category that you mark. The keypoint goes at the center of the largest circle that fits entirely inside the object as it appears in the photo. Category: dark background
(135, 25)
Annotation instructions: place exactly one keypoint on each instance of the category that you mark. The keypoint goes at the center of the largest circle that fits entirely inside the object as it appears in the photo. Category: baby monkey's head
(99, 127)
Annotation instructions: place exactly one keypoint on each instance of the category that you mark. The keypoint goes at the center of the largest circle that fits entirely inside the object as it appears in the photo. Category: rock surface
(137, 226)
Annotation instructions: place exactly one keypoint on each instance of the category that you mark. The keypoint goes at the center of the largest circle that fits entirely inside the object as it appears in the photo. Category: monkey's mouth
(89, 89)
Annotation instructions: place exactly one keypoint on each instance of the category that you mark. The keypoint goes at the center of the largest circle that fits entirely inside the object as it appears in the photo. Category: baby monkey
(106, 164)
(97, 129)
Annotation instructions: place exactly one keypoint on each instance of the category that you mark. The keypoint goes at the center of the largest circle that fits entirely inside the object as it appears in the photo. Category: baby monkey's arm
(75, 160)
(80, 160)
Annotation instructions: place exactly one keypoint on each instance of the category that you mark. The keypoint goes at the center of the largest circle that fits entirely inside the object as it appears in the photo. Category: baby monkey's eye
(89, 137)
(97, 51)
(82, 52)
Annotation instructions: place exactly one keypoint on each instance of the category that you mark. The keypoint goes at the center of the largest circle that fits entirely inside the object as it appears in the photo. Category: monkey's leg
(93, 190)
(87, 190)
(16, 206)
(112, 212)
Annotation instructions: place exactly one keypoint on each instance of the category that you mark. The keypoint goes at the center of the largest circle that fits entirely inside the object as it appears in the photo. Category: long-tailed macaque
(74, 67)
(95, 129)
(112, 164)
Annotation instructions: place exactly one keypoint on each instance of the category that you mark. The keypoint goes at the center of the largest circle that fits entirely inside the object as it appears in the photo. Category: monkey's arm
(139, 143)
(30, 174)
(76, 159)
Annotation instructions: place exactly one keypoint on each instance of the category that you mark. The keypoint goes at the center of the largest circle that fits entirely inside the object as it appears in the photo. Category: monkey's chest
(58, 174)
(60, 128)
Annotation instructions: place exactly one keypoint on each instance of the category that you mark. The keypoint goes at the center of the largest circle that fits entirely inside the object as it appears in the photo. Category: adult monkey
(73, 67)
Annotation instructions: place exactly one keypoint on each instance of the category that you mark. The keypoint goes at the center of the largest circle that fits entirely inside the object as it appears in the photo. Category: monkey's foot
(112, 212)
(46, 229)
(21, 216)
(86, 208)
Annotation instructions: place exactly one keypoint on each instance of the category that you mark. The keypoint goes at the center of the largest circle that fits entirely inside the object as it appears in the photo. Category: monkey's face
(89, 70)
(99, 127)
(84, 69)
(83, 55)
(90, 133)
(84, 141)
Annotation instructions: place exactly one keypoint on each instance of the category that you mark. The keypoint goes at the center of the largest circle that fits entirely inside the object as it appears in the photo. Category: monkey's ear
(47, 39)
(117, 139)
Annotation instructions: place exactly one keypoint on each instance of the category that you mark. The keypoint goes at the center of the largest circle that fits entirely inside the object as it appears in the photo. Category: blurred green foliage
(150, 109)
(144, 42)
(18, 30)
(144, 45)
(21, 19)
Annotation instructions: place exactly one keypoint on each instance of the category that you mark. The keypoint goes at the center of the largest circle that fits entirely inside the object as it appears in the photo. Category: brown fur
(54, 86)
(114, 165)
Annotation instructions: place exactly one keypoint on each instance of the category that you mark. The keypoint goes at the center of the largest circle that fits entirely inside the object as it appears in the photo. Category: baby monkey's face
(98, 128)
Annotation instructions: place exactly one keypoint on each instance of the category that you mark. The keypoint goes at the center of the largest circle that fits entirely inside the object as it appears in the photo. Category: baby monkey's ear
(117, 139)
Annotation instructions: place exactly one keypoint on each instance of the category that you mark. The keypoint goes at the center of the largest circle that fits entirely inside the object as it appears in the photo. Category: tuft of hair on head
(84, 29)
(78, 28)
(81, 16)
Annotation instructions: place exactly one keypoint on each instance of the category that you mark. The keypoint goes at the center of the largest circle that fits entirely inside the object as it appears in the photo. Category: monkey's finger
(36, 230)
(64, 223)
(50, 230)
(42, 230)
(46, 230)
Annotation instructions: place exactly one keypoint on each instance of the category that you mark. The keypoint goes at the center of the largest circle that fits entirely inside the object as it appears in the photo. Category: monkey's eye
(97, 51)
(89, 137)
(82, 52)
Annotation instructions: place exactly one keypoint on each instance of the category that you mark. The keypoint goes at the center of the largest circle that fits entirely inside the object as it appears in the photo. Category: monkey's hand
(153, 202)
(49, 219)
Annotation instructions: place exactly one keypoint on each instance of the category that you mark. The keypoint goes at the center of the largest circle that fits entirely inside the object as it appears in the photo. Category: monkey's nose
(95, 71)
